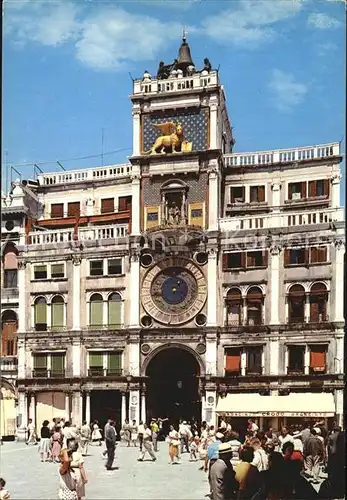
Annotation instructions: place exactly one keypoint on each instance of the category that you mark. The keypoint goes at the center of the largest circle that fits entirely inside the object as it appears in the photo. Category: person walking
(108, 423)
(110, 439)
(247, 475)
(133, 432)
(185, 434)
(211, 456)
(69, 432)
(140, 432)
(155, 432)
(45, 442)
(31, 433)
(223, 482)
(147, 445)
(174, 442)
(85, 435)
(313, 453)
(96, 434)
(77, 465)
(56, 442)
(260, 460)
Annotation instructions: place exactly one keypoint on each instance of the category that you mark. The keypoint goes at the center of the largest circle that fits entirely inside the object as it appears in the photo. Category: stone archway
(173, 385)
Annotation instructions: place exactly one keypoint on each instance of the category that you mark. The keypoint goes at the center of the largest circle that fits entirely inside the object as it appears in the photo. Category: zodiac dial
(174, 291)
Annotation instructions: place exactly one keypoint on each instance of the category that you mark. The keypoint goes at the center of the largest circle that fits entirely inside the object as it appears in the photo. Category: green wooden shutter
(114, 362)
(96, 360)
(96, 313)
(57, 363)
(40, 313)
(57, 315)
(40, 362)
(114, 313)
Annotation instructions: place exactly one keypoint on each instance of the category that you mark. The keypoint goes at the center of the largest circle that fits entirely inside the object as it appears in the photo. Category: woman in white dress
(96, 434)
(67, 478)
(174, 442)
(77, 465)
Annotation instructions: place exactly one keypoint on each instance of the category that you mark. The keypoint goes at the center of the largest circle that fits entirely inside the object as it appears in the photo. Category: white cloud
(286, 92)
(252, 22)
(322, 21)
(324, 49)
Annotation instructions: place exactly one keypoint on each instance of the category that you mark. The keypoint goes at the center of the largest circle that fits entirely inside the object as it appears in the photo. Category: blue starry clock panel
(194, 124)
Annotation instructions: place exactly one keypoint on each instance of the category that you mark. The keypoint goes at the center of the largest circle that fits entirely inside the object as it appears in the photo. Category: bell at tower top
(184, 60)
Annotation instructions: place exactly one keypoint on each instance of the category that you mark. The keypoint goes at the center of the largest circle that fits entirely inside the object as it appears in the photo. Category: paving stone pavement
(27, 478)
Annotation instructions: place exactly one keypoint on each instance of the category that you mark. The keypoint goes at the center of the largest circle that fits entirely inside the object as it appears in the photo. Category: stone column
(135, 202)
(76, 358)
(123, 408)
(76, 287)
(307, 308)
(22, 310)
(338, 396)
(77, 416)
(276, 204)
(211, 403)
(211, 355)
(338, 282)
(243, 362)
(143, 405)
(307, 360)
(21, 358)
(335, 191)
(32, 408)
(213, 196)
(212, 275)
(339, 358)
(136, 132)
(213, 126)
(22, 416)
(134, 320)
(134, 405)
(87, 414)
(67, 406)
(275, 285)
(244, 318)
(203, 407)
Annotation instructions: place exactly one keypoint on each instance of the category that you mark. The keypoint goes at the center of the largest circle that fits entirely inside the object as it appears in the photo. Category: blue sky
(66, 71)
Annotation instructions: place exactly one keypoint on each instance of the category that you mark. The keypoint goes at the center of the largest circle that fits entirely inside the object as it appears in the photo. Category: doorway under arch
(173, 386)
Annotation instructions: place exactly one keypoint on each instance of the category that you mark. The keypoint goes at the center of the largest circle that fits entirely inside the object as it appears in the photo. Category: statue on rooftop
(207, 65)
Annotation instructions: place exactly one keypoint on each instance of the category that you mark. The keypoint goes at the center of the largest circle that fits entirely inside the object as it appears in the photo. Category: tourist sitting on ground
(247, 475)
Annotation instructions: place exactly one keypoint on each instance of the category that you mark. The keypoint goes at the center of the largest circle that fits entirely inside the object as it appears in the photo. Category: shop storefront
(275, 411)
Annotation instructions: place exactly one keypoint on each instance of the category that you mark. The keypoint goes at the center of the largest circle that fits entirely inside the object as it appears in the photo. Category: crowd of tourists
(257, 464)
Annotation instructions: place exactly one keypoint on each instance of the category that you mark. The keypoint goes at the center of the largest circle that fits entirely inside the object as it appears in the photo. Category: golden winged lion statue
(172, 137)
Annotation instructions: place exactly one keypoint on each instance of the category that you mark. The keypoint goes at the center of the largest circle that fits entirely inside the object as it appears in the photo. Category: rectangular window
(233, 361)
(152, 216)
(234, 260)
(96, 268)
(10, 278)
(196, 213)
(57, 210)
(255, 259)
(318, 188)
(318, 358)
(124, 203)
(73, 209)
(297, 256)
(96, 364)
(114, 266)
(257, 194)
(57, 271)
(296, 359)
(40, 272)
(237, 194)
(57, 365)
(318, 254)
(114, 363)
(40, 365)
(107, 205)
(297, 190)
(254, 355)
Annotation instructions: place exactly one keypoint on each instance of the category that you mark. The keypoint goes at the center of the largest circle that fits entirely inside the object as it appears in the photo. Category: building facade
(192, 281)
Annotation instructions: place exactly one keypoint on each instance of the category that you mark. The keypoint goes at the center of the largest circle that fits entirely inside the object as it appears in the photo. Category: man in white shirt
(184, 433)
(284, 437)
(140, 432)
(260, 460)
(31, 433)
(147, 445)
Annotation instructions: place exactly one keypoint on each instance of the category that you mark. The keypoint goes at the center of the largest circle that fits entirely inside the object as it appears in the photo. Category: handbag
(175, 442)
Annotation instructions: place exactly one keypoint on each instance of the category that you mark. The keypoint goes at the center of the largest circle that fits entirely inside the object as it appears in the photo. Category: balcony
(8, 294)
(172, 85)
(105, 372)
(94, 174)
(45, 373)
(56, 236)
(268, 221)
(8, 365)
(282, 155)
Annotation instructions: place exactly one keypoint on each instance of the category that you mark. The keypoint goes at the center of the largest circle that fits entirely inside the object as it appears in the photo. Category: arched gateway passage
(173, 386)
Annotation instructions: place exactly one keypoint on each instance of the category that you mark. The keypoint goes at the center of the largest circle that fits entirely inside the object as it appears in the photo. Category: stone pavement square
(28, 478)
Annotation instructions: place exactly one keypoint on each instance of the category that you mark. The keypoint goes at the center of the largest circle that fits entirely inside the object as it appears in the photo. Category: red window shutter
(323, 254)
(312, 189)
(124, 203)
(57, 210)
(107, 205)
(287, 256)
(243, 259)
(307, 255)
(313, 255)
(243, 193)
(290, 191)
(225, 261)
(261, 193)
(250, 259)
(317, 359)
(314, 311)
(303, 190)
(233, 361)
(73, 209)
(265, 256)
(326, 187)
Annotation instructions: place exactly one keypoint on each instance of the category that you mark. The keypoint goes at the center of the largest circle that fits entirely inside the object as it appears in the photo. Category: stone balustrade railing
(84, 233)
(176, 84)
(282, 155)
(93, 174)
(266, 221)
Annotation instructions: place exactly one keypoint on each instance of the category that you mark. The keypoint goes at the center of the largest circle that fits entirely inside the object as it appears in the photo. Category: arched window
(318, 303)
(10, 264)
(9, 329)
(233, 304)
(58, 312)
(96, 310)
(114, 310)
(254, 303)
(40, 306)
(296, 304)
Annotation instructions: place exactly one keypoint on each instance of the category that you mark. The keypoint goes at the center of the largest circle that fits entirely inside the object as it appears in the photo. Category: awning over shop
(306, 404)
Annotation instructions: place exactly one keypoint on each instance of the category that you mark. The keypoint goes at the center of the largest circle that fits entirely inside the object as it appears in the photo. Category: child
(193, 448)
(4, 494)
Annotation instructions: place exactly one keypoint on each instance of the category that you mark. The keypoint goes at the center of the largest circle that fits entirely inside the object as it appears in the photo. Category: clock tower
(181, 130)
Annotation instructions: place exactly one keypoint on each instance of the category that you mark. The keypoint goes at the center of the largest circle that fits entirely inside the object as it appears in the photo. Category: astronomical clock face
(174, 291)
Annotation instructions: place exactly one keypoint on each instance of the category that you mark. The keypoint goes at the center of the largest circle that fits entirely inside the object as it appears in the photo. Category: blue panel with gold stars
(194, 122)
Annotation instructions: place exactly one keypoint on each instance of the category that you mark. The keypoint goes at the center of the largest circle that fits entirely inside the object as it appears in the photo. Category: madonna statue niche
(174, 203)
